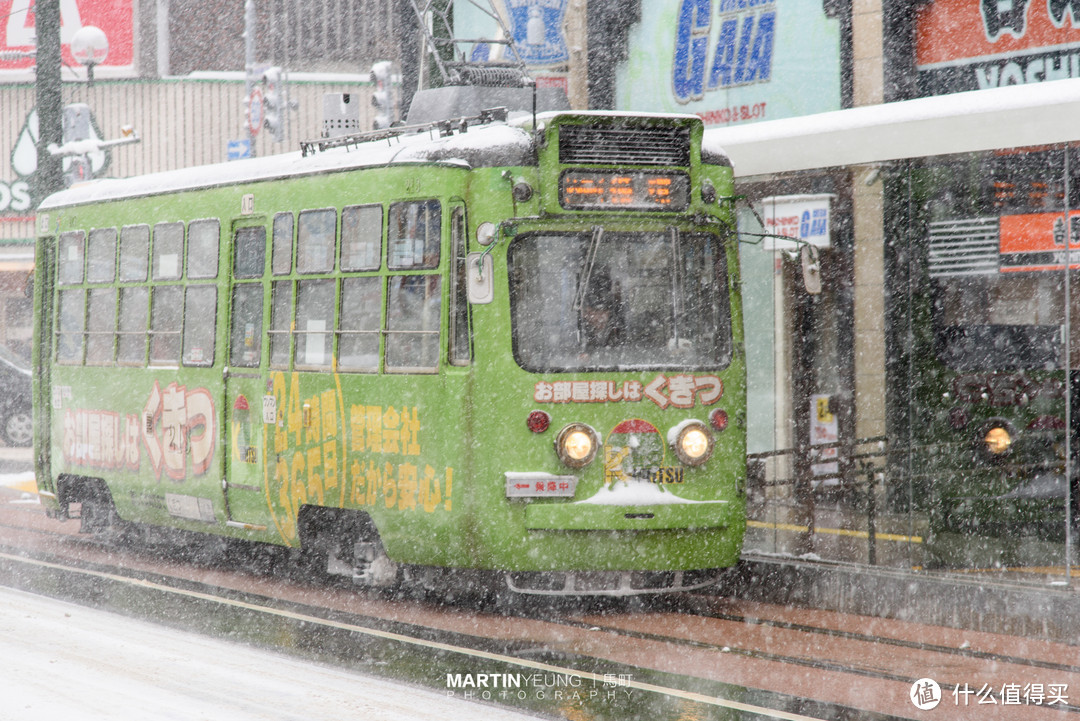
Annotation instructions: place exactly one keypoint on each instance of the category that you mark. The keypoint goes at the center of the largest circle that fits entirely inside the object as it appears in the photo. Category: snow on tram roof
(499, 140)
(1008, 117)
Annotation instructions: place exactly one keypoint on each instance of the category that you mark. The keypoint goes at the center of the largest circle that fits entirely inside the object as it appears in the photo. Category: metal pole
(1069, 440)
(249, 63)
(49, 176)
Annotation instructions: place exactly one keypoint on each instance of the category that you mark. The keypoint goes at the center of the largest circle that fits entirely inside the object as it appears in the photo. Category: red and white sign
(1036, 241)
(977, 44)
(114, 17)
(255, 111)
(952, 31)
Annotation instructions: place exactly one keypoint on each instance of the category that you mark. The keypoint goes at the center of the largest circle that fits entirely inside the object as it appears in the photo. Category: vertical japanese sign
(114, 17)
(976, 44)
(824, 430)
(732, 61)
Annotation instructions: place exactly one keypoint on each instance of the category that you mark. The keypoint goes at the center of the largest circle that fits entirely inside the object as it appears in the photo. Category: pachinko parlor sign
(175, 432)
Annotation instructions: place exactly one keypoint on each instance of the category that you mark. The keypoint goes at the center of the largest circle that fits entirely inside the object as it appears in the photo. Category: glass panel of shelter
(974, 288)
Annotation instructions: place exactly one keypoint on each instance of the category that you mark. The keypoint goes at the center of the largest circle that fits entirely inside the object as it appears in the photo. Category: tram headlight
(692, 443)
(997, 440)
(576, 445)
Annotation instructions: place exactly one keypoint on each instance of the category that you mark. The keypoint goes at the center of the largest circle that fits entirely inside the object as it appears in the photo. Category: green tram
(501, 346)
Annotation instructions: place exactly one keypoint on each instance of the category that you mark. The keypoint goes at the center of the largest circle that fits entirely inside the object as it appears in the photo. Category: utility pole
(49, 176)
(250, 81)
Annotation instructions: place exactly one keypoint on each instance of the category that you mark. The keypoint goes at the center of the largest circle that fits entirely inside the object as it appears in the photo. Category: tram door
(245, 385)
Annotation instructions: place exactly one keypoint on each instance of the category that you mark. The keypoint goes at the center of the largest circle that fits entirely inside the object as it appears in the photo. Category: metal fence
(182, 123)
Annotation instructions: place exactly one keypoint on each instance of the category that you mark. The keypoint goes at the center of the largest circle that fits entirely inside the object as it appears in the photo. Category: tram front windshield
(602, 301)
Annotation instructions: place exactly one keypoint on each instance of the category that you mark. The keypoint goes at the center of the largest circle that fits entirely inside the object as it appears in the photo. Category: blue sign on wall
(238, 149)
(732, 61)
(537, 29)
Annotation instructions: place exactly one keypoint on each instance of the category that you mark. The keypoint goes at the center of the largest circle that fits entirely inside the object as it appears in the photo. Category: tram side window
(200, 309)
(204, 238)
(361, 237)
(101, 327)
(314, 323)
(168, 251)
(134, 252)
(281, 255)
(358, 327)
(460, 350)
(70, 259)
(280, 323)
(249, 252)
(166, 314)
(131, 348)
(315, 239)
(413, 235)
(414, 307)
(101, 256)
(72, 326)
(247, 322)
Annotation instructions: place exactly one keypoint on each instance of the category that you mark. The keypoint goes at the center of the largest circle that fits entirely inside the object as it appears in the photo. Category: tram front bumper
(592, 517)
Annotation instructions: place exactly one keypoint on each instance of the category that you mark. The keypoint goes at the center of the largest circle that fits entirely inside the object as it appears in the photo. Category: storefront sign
(731, 61)
(972, 45)
(114, 17)
(804, 218)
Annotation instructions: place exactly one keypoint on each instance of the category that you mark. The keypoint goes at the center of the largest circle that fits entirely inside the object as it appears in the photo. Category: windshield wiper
(676, 283)
(590, 260)
(586, 276)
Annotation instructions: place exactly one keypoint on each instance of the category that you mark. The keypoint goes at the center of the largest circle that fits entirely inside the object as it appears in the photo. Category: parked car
(16, 404)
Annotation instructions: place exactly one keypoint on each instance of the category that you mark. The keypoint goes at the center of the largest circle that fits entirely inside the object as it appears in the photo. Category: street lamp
(90, 47)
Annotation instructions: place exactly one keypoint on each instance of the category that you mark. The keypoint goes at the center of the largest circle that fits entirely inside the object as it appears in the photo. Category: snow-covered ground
(19, 481)
(62, 662)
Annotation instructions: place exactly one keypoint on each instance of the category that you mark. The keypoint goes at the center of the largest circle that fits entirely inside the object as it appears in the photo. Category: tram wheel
(337, 543)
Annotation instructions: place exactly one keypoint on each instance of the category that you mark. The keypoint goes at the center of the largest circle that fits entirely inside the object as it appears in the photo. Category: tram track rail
(576, 639)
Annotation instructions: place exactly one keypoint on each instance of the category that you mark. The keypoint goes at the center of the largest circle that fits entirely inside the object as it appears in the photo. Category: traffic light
(274, 103)
(383, 97)
(76, 127)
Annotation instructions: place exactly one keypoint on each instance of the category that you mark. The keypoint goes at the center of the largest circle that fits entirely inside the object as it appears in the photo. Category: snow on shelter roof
(499, 141)
(1008, 117)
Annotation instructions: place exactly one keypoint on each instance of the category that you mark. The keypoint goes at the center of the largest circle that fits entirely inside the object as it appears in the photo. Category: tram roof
(492, 143)
(1009, 117)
